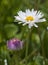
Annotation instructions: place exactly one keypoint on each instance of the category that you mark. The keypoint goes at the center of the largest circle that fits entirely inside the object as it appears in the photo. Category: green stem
(16, 60)
(27, 43)
(42, 46)
(37, 4)
(26, 54)
(31, 54)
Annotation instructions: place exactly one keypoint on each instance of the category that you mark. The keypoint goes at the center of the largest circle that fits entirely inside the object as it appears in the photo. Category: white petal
(28, 12)
(17, 18)
(38, 12)
(35, 25)
(30, 25)
(34, 12)
(19, 22)
(21, 14)
(24, 24)
(39, 15)
(42, 20)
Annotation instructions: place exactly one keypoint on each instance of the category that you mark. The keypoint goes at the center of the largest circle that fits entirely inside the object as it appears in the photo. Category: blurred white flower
(5, 62)
(47, 28)
(30, 17)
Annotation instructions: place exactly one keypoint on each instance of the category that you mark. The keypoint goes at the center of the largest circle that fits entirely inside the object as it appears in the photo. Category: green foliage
(9, 29)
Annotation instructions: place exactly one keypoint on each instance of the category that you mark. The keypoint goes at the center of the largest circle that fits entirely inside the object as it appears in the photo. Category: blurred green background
(9, 29)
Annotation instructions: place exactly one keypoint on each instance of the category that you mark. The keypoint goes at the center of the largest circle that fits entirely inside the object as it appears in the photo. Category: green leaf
(10, 30)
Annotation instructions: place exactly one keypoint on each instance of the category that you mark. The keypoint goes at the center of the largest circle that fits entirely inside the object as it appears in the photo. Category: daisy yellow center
(29, 18)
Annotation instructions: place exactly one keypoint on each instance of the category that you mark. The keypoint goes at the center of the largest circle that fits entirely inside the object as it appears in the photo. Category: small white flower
(47, 28)
(30, 17)
(5, 62)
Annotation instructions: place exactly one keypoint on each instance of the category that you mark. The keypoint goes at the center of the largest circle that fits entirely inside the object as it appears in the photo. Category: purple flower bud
(14, 44)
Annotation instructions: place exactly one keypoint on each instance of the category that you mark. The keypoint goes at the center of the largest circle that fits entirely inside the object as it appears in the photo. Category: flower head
(30, 17)
(14, 44)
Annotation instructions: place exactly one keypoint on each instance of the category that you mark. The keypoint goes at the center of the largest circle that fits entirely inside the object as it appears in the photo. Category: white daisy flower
(30, 17)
